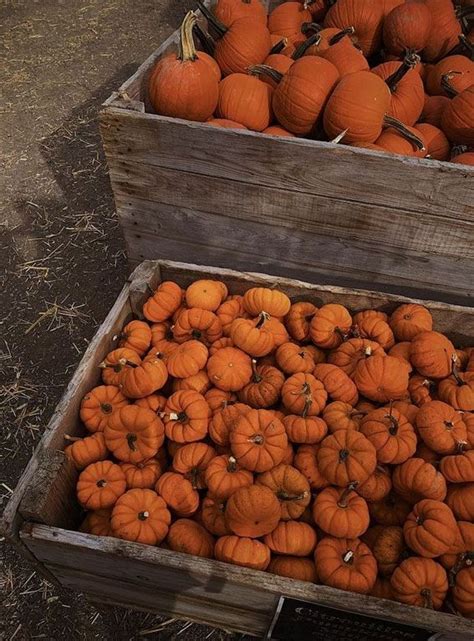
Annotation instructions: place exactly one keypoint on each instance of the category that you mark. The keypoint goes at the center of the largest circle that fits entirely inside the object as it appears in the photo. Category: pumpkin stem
(284, 496)
(342, 334)
(262, 319)
(216, 24)
(117, 367)
(340, 136)
(342, 502)
(428, 601)
(256, 376)
(455, 371)
(411, 60)
(348, 557)
(143, 515)
(279, 46)
(310, 27)
(186, 48)
(197, 334)
(448, 425)
(131, 439)
(447, 86)
(232, 464)
(343, 455)
(389, 121)
(463, 12)
(393, 429)
(101, 483)
(306, 390)
(304, 46)
(124, 362)
(106, 408)
(72, 439)
(348, 31)
(257, 439)
(265, 70)
(206, 40)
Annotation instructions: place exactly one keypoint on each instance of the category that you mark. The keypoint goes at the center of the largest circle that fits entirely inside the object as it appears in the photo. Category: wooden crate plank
(153, 229)
(305, 166)
(272, 206)
(61, 547)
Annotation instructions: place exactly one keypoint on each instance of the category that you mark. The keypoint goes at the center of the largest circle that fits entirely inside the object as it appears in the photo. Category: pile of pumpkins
(394, 76)
(314, 443)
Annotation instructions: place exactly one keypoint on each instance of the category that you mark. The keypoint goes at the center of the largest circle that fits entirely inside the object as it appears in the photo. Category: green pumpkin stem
(219, 28)
(409, 62)
(389, 121)
(348, 31)
(186, 48)
(304, 46)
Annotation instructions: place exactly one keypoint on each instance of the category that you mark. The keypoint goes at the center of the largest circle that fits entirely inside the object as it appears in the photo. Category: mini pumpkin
(213, 516)
(206, 294)
(461, 553)
(264, 388)
(330, 325)
(341, 512)
(164, 302)
(377, 486)
(306, 461)
(258, 440)
(292, 358)
(430, 529)
(346, 457)
(252, 336)
(98, 523)
(186, 417)
(219, 399)
(187, 359)
(460, 498)
(136, 335)
(190, 537)
(348, 355)
(387, 545)
(342, 416)
(290, 487)
(381, 378)
(140, 515)
(432, 354)
(134, 434)
(220, 344)
(458, 468)
(143, 475)
(458, 390)
(293, 567)
(391, 510)
(100, 485)
(198, 324)
(421, 389)
(243, 551)
(198, 383)
(114, 364)
(347, 564)
(84, 451)
(441, 427)
(402, 351)
(292, 538)
(304, 394)
(228, 311)
(223, 422)
(298, 320)
(223, 476)
(375, 329)
(263, 299)
(252, 511)
(390, 433)
(178, 493)
(230, 369)
(415, 479)
(463, 592)
(305, 429)
(142, 380)
(337, 383)
(421, 582)
(192, 461)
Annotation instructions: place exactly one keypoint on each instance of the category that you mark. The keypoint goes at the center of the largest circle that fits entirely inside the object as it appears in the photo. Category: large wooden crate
(294, 207)
(43, 512)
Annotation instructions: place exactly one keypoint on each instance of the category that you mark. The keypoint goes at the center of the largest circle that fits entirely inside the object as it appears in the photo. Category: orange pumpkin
(98, 405)
(230, 369)
(364, 16)
(348, 355)
(433, 109)
(227, 11)
(458, 390)
(206, 294)
(407, 409)
(445, 29)
(243, 551)
(287, 19)
(223, 422)
(198, 324)
(330, 325)
(346, 457)
(192, 461)
(160, 331)
(304, 429)
(252, 336)
(213, 516)
(421, 389)
(306, 461)
(293, 567)
(224, 476)
(461, 552)
(381, 378)
(290, 487)
(219, 399)
(165, 301)
(337, 383)
(375, 329)
(143, 475)
(228, 311)
(187, 359)
(420, 582)
(342, 416)
(186, 417)
(377, 486)
(341, 512)
(292, 538)
(458, 468)
(263, 299)
(293, 358)
(402, 351)
(463, 592)
(430, 529)
(100, 485)
(246, 99)
(134, 434)
(390, 433)
(347, 564)
(114, 364)
(142, 380)
(391, 510)
(407, 27)
(298, 320)
(98, 523)
(416, 479)
(252, 511)
(178, 493)
(84, 451)
(441, 427)
(406, 88)
(264, 388)
(460, 499)
(190, 537)
(258, 440)
(432, 354)
(303, 394)
(140, 515)
(387, 545)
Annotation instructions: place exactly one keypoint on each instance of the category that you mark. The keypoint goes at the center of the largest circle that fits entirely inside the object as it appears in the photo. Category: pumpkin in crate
(377, 486)
(143, 475)
(244, 551)
(409, 320)
(305, 429)
(306, 461)
(461, 553)
(364, 16)
(298, 320)
(458, 468)
(293, 567)
(344, 54)
(421, 582)
(346, 457)
(290, 487)
(286, 20)
(330, 325)
(184, 85)
(206, 294)
(463, 592)
(97, 523)
(212, 516)
(437, 145)
(223, 476)
(143, 379)
(140, 515)
(341, 512)
(230, 369)
(252, 336)
(192, 461)
(406, 141)
(100, 485)
(186, 416)
(432, 354)
(407, 27)
(199, 324)
(382, 378)
(178, 493)
(458, 390)
(460, 499)
(246, 99)
(243, 43)
(114, 365)
(252, 511)
(136, 335)
(292, 538)
(353, 350)
(227, 11)
(457, 121)
(441, 427)
(375, 329)
(84, 451)
(430, 529)
(134, 434)
(459, 71)
(337, 383)
(303, 394)
(98, 405)
(187, 359)
(223, 422)
(433, 109)
(387, 545)
(258, 440)
(339, 415)
(444, 32)
(347, 564)
(416, 479)
(390, 433)
(190, 537)
(264, 388)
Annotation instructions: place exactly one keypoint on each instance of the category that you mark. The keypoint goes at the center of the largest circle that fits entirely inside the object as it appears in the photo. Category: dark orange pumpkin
(330, 325)
(417, 479)
(347, 564)
(441, 427)
(366, 18)
(437, 145)
(430, 529)
(227, 11)
(390, 433)
(290, 487)
(245, 99)
(406, 88)
(341, 512)
(433, 109)
(258, 440)
(420, 582)
(407, 27)
(346, 457)
(456, 121)
(252, 511)
(445, 29)
(287, 19)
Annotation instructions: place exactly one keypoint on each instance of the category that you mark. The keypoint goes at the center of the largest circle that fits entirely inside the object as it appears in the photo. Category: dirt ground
(62, 260)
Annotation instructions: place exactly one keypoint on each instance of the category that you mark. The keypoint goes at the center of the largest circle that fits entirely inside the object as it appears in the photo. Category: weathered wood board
(296, 207)
(42, 506)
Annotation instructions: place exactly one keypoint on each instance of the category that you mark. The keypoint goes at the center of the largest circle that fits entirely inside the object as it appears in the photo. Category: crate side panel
(319, 168)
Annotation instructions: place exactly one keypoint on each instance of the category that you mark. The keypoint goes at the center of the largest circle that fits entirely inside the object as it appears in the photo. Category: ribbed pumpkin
(430, 529)
(365, 16)
(287, 19)
(416, 479)
(242, 551)
(358, 103)
(445, 29)
(347, 564)
(390, 433)
(441, 427)
(463, 592)
(459, 71)
(300, 96)
(406, 88)
(348, 355)
(293, 567)
(252, 511)
(432, 354)
(240, 45)
(227, 11)
(421, 582)
(382, 378)
(345, 56)
(407, 141)
(456, 121)
(466, 158)
(258, 440)
(184, 85)
(433, 109)
(245, 99)
(292, 537)
(290, 487)
(407, 27)
(346, 457)
(341, 512)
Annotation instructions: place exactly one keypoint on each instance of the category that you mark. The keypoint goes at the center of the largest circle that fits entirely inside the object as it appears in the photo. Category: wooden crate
(295, 207)
(41, 514)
